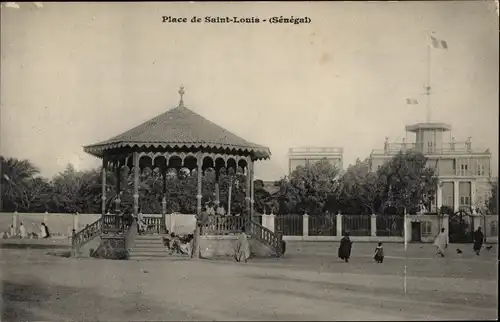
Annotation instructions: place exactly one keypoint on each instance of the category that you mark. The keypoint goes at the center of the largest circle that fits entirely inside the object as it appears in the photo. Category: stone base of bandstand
(110, 247)
(224, 246)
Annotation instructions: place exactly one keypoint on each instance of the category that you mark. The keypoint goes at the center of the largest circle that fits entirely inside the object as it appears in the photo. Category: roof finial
(181, 93)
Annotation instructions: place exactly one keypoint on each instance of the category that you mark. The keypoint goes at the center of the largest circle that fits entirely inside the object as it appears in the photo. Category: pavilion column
(118, 187)
(199, 174)
(252, 188)
(164, 198)
(249, 187)
(217, 191)
(103, 185)
(136, 183)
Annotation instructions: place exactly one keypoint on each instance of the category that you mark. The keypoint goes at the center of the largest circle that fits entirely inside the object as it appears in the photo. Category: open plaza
(261, 195)
(308, 283)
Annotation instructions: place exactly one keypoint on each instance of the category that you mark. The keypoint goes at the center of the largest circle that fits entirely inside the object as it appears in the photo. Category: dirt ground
(309, 283)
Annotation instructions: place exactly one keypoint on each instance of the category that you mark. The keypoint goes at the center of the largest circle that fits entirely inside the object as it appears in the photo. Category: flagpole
(406, 246)
(428, 85)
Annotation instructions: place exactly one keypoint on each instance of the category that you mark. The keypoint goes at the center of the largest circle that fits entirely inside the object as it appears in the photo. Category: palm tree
(15, 179)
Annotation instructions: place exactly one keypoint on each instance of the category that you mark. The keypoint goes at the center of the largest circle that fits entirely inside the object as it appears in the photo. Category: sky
(74, 74)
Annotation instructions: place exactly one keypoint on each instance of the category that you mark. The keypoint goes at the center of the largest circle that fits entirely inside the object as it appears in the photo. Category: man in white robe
(242, 248)
(141, 224)
(441, 242)
(22, 231)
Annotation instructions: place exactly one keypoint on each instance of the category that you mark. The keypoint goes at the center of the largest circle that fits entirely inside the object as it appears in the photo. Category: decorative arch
(208, 163)
(190, 161)
(174, 161)
(145, 161)
(231, 165)
(160, 161)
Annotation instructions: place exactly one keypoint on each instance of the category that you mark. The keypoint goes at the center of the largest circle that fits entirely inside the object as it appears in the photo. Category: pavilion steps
(150, 247)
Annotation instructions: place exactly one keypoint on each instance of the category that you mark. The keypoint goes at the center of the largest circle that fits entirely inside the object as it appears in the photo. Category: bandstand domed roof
(180, 128)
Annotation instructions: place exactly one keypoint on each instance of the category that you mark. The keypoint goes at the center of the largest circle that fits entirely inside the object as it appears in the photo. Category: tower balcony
(445, 148)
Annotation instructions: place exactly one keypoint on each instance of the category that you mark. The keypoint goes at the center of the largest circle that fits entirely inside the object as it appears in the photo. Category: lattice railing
(261, 233)
(224, 225)
(114, 223)
(154, 225)
(87, 234)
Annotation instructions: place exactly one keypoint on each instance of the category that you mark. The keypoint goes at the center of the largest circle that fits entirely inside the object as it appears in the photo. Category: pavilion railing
(115, 224)
(224, 225)
(266, 236)
(154, 225)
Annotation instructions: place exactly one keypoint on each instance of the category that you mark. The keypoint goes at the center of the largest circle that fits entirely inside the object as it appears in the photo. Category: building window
(430, 147)
(464, 201)
(480, 170)
(426, 229)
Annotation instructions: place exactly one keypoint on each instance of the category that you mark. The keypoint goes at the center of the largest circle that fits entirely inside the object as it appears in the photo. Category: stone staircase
(150, 247)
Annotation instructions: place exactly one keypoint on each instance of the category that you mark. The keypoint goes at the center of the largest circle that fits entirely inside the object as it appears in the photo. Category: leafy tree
(407, 182)
(360, 190)
(261, 197)
(309, 188)
(18, 181)
(492, 203)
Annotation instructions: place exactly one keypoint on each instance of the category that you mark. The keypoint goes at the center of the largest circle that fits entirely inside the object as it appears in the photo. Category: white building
(464, 172)
(307, 155)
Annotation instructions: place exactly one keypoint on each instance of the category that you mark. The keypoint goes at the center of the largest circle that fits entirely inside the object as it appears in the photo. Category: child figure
(379, 253)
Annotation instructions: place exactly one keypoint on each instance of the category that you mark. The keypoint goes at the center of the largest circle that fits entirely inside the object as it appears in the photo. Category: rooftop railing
(316, 150)
(446, 148)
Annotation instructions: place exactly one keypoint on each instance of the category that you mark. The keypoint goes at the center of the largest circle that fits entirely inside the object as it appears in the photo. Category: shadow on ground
(5, 245)
(36, 300)
(429, 296)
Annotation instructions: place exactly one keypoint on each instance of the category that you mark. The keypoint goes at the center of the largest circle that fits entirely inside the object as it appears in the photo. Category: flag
(411, 101)
(438, 43)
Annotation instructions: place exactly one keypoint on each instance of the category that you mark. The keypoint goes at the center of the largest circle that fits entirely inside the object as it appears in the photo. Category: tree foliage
(70, 191)
(403, 182)
(408, 183)
(492, 203)
(360, 189)
(308, 189)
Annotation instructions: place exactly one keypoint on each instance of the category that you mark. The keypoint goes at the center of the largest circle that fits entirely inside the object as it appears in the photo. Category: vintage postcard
(222, 161)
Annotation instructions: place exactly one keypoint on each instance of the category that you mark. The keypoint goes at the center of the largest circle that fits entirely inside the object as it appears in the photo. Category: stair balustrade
(266, 236)
(86, 234)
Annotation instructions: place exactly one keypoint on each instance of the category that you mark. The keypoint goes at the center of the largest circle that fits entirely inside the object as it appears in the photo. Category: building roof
(428, 126)
(180, 128)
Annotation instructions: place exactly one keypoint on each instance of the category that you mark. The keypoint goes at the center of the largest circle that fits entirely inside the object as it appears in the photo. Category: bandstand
(178, 138)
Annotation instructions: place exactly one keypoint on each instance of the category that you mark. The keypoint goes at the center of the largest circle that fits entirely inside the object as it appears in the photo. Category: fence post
(373, 225)
(407, 225)
(305, 224)
(172, 222)
(339, 225)
(266, 222)
(15, 222)
(271, 222)
(446, 225)
(76, 221)
(74, 250)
